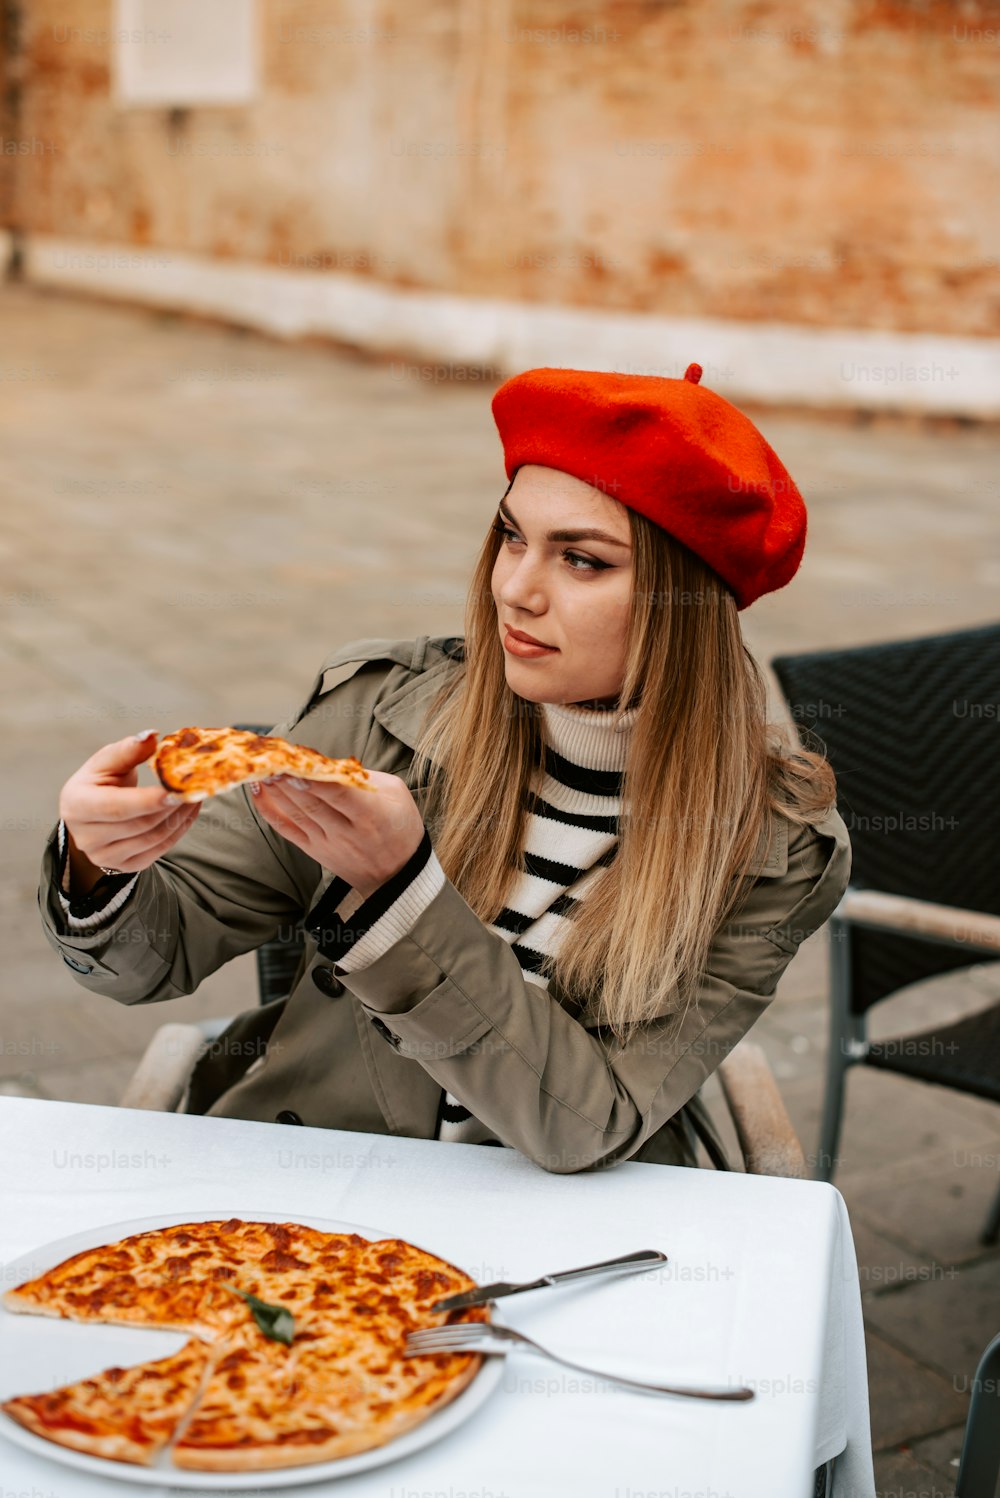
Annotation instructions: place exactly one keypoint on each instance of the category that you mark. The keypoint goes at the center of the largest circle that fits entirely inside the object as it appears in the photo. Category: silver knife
(646, 1258)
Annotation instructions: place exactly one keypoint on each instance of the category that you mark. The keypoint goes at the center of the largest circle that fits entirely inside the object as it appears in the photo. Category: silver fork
(490, 1338)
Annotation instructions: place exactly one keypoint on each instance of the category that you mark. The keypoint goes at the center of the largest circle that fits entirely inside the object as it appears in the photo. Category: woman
(589, 861)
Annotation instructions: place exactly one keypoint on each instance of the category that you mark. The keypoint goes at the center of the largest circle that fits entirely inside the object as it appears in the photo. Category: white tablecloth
(761, 1287)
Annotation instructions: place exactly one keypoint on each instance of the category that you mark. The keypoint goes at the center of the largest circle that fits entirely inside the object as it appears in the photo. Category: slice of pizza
(342, 1386)
(122, 1414)
(199, 762)
(165, 1278)
(179, 1277)
(175, 1277)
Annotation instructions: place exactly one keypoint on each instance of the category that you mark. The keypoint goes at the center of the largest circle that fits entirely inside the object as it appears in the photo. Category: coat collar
(771, 856)
(402, 712)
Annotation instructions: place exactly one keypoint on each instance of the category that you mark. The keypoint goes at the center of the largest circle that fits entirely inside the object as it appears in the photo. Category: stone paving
(192, 517)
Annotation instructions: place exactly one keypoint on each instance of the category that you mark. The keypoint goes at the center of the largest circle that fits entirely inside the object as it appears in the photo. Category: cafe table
(760, 1287)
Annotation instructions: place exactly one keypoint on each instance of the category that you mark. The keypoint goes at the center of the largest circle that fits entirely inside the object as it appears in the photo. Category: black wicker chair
(911, 731)
(278, 964)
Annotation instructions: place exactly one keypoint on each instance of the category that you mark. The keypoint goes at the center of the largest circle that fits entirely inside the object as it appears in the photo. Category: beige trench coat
(447, 1006)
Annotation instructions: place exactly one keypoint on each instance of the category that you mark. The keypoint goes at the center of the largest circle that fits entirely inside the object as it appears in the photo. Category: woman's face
(563, 576)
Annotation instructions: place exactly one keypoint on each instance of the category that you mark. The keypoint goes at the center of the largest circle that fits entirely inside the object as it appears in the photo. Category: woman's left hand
(364, 836)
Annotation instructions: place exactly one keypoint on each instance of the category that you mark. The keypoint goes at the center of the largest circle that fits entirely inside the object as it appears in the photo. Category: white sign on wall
(178, 53)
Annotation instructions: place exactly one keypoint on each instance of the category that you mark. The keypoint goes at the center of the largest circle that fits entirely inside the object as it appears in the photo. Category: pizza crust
(113, 1447)
(267, 1456)
(194, 763)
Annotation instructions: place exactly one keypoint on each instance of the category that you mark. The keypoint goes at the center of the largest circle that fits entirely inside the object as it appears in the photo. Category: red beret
(670, 449)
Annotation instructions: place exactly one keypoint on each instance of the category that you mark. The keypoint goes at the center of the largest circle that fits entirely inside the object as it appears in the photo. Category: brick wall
(734, 159)
(8, 114)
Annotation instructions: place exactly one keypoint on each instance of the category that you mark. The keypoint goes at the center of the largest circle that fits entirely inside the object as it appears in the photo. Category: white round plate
(39, 1352)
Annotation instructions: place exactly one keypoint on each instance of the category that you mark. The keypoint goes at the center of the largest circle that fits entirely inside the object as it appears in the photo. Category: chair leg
(823, 1481)
(833, 1107)
(991, 1232)
(979, 1467)
(847, 1043)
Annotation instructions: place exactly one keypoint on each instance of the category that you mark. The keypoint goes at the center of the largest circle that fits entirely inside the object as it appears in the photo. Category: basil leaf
(276, 1322)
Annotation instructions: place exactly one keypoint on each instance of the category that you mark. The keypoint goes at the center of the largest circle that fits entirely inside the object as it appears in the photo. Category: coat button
(327, 983)
(389, 1036)
(287, 1116)
(78, 967)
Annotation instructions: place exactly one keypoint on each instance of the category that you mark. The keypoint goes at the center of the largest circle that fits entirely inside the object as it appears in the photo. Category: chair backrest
(277, 965)
(912, 730)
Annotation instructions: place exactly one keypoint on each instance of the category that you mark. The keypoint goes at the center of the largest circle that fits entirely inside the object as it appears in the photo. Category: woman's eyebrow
(569, 535)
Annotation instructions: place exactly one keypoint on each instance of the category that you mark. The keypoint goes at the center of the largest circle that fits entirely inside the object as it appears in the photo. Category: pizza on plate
(199, 762)
(295, 1353)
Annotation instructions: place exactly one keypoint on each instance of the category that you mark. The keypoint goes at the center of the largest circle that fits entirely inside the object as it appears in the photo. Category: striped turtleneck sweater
(571, 833)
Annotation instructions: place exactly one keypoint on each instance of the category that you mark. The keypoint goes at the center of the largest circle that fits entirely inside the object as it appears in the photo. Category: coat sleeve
(224, 889)
(451, 996)
(232, 882)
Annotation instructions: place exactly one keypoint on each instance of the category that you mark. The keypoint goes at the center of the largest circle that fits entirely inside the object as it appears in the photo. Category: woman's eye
(589, 564)
(576, 562)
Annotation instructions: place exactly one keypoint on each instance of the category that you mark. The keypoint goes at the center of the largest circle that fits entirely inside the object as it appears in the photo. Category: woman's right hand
(114, 823)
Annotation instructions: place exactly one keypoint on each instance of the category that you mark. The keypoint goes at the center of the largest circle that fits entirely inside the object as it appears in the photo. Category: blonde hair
(704, 773)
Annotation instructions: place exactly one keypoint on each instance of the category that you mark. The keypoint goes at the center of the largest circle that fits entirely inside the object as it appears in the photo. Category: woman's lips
(526, 649)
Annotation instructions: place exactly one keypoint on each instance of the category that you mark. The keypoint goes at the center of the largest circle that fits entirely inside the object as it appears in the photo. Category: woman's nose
(522, 588)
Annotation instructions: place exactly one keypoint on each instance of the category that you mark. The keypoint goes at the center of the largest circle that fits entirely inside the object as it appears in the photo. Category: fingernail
(171, 800)
(147, 733)
(254, 788)
(299, 785)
